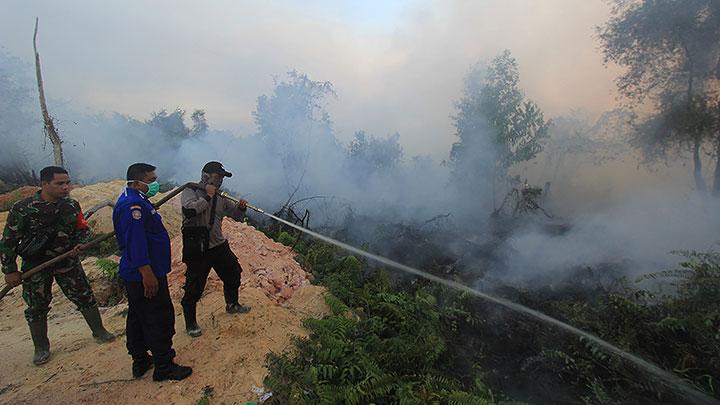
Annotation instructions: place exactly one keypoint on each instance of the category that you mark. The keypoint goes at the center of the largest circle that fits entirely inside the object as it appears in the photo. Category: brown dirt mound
(229, 357)
(3, 219)
(8, 199)
(107, 292)
(266, 264)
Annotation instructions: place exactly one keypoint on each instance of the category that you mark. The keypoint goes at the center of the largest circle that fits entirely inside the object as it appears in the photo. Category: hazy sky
(397, 66)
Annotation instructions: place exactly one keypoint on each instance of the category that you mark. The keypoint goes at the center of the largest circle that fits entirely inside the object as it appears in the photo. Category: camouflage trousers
(37, 291)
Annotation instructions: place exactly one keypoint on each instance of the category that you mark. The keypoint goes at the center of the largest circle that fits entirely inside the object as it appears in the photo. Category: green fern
(378, 345)
(109, 268)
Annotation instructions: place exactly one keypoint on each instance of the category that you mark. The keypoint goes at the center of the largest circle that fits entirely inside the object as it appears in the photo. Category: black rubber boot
(236, 308)
(141, 365)
(171, 371)
(38, 332)
(93, 319)
(191, 326)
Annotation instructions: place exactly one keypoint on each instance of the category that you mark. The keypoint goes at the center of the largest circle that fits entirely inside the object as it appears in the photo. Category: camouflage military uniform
(39, 230)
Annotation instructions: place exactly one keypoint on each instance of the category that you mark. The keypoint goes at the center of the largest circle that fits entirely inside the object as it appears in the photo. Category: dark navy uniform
(143, 240)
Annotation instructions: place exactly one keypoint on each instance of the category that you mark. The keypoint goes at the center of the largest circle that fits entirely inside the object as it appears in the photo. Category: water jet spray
(668, 379)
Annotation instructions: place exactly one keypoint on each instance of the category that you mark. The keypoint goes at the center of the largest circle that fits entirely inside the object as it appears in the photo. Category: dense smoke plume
(355, 178)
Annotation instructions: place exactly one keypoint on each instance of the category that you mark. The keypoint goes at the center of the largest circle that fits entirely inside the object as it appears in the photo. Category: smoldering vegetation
(605, 222)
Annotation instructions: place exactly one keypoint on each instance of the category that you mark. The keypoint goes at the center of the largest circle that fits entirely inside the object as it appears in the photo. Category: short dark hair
(47, 174)
(137, 171)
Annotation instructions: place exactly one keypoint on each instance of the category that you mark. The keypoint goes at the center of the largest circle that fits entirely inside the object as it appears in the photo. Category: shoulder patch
(135, 207)
(136, 214)
(22, 203)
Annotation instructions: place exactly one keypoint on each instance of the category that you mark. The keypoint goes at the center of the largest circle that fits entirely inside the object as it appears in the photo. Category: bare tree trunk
(50, 130)
(697, 162)
(699, 181)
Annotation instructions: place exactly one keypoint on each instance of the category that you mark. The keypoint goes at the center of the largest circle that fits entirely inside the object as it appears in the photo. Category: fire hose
(669, 379)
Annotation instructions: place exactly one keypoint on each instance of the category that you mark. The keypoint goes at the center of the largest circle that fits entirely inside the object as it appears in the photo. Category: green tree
(369, 154)
(200, 125)
(576, 139)
(171, 124)
(293, 123)
(496, 125)
(670, 51)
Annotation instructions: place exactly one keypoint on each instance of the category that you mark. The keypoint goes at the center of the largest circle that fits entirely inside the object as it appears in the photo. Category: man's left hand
(242, 204)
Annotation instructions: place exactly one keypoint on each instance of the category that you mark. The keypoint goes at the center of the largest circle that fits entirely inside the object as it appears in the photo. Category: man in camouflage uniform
(39, 228)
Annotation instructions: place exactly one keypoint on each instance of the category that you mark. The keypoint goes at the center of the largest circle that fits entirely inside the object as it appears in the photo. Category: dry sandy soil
(228, 360)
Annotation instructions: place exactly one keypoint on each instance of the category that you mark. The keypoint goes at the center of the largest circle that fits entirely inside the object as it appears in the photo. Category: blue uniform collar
(129, 191)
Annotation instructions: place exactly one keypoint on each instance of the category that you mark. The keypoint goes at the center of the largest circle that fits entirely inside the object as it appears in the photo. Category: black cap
(216, 167)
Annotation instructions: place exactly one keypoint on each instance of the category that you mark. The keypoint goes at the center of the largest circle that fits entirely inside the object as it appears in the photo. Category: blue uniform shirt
(141, 235)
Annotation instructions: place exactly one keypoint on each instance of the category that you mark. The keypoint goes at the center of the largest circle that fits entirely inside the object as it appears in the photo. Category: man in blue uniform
(145, 262)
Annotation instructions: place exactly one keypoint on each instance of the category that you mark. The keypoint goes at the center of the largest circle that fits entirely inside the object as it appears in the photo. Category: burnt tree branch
(49, 128)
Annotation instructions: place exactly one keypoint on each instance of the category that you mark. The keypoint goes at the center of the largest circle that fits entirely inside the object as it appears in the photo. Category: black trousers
(220, 258)
(150, 322)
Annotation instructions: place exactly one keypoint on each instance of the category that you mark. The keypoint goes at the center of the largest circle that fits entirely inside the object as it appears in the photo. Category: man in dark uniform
(205, 247)
(39, 228)
(145, 262)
